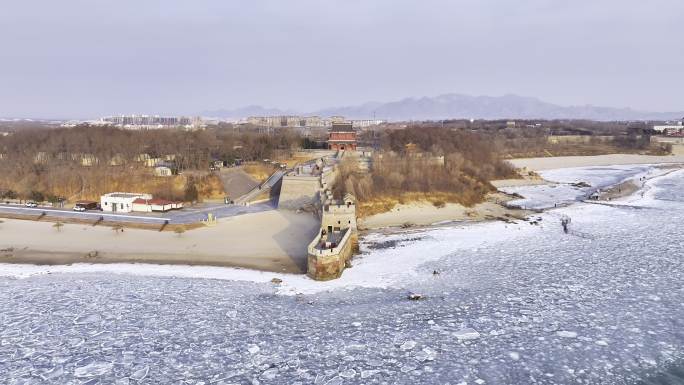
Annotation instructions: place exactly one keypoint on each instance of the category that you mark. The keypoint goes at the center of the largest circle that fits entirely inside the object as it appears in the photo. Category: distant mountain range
(458, 106)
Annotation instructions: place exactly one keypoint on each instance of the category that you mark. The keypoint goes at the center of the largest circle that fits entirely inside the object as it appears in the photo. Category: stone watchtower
(333, 247)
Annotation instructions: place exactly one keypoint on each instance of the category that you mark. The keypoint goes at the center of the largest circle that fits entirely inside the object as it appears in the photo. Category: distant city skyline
(82, 59)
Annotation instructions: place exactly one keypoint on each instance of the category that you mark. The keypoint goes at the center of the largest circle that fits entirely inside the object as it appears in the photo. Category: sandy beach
(419, 214)
(271, 241)
(540, 164)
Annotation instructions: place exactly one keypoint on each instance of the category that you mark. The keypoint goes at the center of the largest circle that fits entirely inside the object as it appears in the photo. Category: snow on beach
(377, 267)
(568, 185)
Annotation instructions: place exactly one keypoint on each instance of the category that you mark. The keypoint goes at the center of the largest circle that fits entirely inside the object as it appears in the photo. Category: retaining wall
(299, 191)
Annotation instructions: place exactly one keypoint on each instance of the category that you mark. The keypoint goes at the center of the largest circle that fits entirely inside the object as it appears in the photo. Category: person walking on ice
(565, 222)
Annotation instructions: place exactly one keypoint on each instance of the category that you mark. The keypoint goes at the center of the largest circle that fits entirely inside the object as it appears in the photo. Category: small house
(163, 171)
(120, 201)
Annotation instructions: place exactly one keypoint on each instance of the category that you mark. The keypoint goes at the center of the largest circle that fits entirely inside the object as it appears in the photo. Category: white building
(148, 122)
(121, 202)
(671, 128)
(365, 123)
(163, 171)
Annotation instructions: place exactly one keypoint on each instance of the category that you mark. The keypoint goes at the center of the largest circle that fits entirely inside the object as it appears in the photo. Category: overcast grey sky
(86, 58)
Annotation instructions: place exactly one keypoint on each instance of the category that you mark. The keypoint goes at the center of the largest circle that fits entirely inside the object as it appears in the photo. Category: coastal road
(190, 214)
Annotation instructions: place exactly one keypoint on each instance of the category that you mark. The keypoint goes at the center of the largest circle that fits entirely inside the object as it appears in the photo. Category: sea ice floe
(93, 369)
(521, 290)
(466, 334)
(139, 374)
(408, 345)
(566, 334)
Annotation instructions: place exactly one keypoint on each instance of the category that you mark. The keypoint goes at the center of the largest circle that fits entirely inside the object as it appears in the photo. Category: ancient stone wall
(338, 216)
(327, 264)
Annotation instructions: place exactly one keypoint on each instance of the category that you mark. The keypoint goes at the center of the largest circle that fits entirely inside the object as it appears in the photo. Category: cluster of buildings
(162, 166)
(294, 121)
(147, 122)
(144, 122)
(671, 128)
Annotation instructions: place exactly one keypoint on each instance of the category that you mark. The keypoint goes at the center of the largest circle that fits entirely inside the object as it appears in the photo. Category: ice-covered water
(573, 184)
(524, 304)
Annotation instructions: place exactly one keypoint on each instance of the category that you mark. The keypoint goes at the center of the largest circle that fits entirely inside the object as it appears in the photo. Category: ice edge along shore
(370, 268)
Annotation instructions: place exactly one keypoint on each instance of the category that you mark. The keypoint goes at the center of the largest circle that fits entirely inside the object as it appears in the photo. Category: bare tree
(179, 230)
(58, 226)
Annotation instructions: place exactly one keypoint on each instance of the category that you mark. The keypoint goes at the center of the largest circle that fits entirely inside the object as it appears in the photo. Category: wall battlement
(330, 252)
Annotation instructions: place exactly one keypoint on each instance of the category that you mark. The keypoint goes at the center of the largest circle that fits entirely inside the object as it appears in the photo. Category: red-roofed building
(342, 136)
(155, 204)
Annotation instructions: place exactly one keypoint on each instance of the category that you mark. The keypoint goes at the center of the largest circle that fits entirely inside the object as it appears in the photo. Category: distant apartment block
(147, 122)
(295, 121)
(671, 128)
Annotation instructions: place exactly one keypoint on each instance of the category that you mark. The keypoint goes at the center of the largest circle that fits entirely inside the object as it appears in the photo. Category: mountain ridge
(460, 106)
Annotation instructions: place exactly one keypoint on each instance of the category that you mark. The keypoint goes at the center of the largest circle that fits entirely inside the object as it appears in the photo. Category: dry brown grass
(381, 204)
(81, 183)
(258, 170)
(210, 187)
(293, 161)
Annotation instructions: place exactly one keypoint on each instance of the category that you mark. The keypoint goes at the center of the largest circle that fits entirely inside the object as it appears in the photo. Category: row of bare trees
(427, 159)
(87, 161)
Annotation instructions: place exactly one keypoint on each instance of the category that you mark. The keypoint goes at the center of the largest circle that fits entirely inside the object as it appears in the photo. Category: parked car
(31, 204)
(86, 205)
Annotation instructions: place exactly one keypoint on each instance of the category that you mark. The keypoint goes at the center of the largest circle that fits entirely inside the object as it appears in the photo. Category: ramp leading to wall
(299, 191)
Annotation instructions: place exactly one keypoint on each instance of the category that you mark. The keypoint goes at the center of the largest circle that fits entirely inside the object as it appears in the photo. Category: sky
(89, 58)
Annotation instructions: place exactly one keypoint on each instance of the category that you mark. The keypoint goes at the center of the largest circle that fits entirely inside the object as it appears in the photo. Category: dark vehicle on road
(86, 205)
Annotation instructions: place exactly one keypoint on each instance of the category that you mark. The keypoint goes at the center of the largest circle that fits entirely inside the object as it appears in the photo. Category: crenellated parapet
(332, 249)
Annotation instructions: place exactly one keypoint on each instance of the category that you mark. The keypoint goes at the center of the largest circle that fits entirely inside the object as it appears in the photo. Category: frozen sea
(515, 303)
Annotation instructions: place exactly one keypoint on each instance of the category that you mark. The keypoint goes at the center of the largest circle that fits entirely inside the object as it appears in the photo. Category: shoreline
(390, 258)
(54, 258)
(272, 241)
